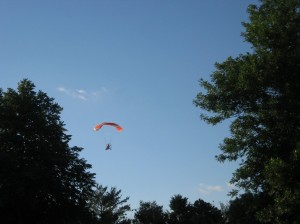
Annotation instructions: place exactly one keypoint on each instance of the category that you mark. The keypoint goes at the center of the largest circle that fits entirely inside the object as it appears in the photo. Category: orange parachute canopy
(98, 126)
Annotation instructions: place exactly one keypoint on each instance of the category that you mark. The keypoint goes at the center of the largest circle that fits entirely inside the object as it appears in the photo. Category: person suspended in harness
(108, 147)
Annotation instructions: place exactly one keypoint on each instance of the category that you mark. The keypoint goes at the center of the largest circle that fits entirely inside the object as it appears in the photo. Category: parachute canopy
(99, 126)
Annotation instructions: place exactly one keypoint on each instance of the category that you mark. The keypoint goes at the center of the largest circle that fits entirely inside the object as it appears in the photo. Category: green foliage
(42, 178)
(259, 92)
(109, 206)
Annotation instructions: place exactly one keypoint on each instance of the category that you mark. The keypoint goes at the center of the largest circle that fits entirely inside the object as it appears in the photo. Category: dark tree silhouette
(109, 206)
(259, 91)
(183, 212)
(150, 213)
(244, 208)
(204, 212)
(42, 178)
(180, 210)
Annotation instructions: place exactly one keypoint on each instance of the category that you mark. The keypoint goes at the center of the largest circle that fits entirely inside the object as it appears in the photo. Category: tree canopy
(259, 92)
(150, 212)
(244, 208)
(108, 205)
(184, 212)
(42, 178)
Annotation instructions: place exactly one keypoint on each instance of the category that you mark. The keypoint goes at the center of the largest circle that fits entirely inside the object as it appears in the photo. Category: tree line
(44, 180)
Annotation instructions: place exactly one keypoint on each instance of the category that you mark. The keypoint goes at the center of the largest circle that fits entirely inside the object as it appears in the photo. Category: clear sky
(136, 63)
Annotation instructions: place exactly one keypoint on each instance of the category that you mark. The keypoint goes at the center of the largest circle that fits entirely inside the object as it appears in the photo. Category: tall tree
(42, 178)
(109, 206)
(259, 91)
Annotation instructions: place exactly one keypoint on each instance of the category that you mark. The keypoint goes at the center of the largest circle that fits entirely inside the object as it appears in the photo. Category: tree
(183, 212)
(244, 208)
(109, 206)
(259, 92)
(180, 210)
(204, 212)
(42, 178)
(150, 213)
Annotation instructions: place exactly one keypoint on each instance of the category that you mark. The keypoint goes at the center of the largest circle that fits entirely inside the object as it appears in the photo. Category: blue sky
(136, 63)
